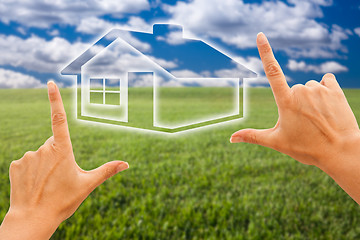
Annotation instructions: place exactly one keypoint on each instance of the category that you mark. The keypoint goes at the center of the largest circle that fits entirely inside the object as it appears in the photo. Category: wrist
(27, 225)
(344, 166)
(344, 154)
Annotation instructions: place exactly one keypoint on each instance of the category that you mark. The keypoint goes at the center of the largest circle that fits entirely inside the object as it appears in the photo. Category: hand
(315, 126)
(47, 186)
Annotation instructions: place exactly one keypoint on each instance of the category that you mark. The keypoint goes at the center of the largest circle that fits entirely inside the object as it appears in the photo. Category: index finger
(58, 115)
(272, 69)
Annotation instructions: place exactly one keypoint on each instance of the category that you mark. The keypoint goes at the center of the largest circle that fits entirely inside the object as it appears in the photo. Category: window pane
(96, 84)
(96, 97)
(112, 98)
(112, 84)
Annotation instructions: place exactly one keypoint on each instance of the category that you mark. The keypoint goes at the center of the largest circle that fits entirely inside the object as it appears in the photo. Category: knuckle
(50, 140)
(14, 165)
(252, 138)
(327, 83)
(108, 172)
(298, 88)
(273, 70)
(299, 92)
(329, 80)
(42, 150)
(58, 118)
(329, 75)
(311, 83)
(29, 155)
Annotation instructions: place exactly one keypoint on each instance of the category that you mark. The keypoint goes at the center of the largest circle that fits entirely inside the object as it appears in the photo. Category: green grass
(200, 103)
(189, 186)
(178, 109)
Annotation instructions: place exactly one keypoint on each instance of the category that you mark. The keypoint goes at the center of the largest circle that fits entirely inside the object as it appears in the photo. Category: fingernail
(261, 38)
(122, 166)
(51, 86)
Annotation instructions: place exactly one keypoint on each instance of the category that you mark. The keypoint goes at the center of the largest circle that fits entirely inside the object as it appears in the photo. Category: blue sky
(310, 37)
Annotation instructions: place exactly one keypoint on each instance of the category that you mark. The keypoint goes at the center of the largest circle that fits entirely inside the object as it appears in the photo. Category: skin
(315, 126)
(47, 186)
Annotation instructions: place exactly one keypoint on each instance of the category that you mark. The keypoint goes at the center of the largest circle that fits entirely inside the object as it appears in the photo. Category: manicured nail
(122, 166)
(261, 38)
(51, 86)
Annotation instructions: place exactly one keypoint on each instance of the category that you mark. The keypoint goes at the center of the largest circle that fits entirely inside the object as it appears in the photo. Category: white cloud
(37, 54)
(319, 2)
(357, 31)
(94, 25)
(44, 13)
(58, 83)
(164, 63)
(12, 79)
(50, 56)
(293, 28)
(135, 42)
(53, 32)
(21, 30)
(119, 57)
(206, 82)
(173, 38)
(252, 63)
(141, 80)
(330, 66)
(186, 73)
(255, 65)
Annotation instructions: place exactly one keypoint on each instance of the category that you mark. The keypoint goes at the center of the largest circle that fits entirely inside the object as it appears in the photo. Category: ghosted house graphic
(162, 62)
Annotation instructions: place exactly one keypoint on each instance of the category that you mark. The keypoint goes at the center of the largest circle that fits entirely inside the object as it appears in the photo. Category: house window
(105, 91)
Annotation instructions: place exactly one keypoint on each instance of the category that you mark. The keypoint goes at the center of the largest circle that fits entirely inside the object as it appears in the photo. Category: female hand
(47, 186)
(316, 125)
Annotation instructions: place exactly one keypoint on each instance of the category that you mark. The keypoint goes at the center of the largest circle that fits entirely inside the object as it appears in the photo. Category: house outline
(116, 35)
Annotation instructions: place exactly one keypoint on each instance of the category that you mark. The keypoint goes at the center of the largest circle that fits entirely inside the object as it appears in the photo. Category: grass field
(189, 186)
(177, 108)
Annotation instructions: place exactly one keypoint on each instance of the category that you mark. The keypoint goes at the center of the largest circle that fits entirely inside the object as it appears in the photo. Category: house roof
(167, 45)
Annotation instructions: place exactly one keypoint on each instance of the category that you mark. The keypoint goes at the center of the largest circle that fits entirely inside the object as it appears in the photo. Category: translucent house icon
(157, 81)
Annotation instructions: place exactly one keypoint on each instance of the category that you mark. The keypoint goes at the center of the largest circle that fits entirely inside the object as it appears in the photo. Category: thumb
(262, 137)
(104, 172)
